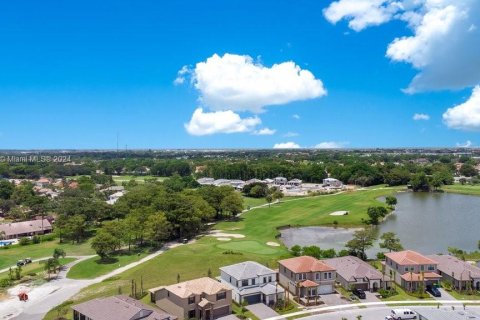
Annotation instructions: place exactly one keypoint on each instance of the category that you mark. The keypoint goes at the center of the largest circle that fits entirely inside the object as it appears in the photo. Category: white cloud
(444, 47)
(181, 76)
(331, 145)
(238, 83)
(421, 116)
(291, 134)
(361, 13)
(296, 116)
(465, 116)
(265, 132)
(466, 144)
(207, 123)
(286, 145)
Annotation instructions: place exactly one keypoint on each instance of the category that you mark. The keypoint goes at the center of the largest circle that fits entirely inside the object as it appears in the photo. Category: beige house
(306, 276)
(353, 272)
(15, 230)
(202, 298)
(461, 274)
(410, 269)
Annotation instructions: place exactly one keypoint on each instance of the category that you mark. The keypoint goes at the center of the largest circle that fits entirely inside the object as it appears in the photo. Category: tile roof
(308, 284)
(351, 268)
(409, 257)
(120, 308)
(305, 264)
(16, 228)
(418, 276)
(461, 270)
(198, 286)
(246, 270)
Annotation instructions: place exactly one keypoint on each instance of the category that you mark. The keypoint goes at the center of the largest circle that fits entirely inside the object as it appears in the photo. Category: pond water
(425, 222)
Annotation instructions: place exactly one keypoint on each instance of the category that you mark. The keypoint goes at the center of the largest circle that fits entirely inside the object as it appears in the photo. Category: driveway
(333, 299)
(261, 311)
(371, 297)
(445, 295)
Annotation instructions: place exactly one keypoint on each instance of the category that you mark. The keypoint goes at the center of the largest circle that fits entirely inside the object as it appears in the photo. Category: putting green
(248, 246)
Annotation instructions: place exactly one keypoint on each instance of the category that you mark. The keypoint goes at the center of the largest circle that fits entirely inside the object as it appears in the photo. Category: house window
(302, 276)
(244, 283)
(422, 268)
(317, 276)
(431, 268)
(191, 314)
(253, 282)
(406, 269)
(270, 279)
(264, 280)
(221, 295)
(191, 300)
(325, 275)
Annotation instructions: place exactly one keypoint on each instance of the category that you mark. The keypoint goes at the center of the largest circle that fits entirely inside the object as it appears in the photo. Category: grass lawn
(94, 267)
(259, 227)
(10, 256)
(463, 189)
(402, 295)
(140, 179)
(465, 296)
(36, 267)
(253, 202)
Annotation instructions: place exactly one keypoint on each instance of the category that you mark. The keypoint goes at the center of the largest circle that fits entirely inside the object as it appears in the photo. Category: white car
(402, 314)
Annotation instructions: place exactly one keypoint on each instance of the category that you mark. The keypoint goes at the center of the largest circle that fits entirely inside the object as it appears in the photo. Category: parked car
(389, 318)
(27, 260)
(434, 291)
(21, 263)
(401, 314)
(359, 293)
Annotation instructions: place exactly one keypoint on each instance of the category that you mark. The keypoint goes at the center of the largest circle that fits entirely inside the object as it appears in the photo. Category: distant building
(280, 181)
(205, 181)
(118, 308)
(202, 298)
(295, 182)
(332, 183)
(252, 181)
(17, 230)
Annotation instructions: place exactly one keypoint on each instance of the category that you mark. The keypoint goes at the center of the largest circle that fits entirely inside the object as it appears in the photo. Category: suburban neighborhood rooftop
(305, 264)
(194, 287)
(409, 257)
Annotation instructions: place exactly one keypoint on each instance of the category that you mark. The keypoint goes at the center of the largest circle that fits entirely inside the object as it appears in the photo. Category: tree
(6, 189)
(297, 250)
(312, 251)
(391, 201)
(157, 228)
(104, 244)
(420, 182)
(436, 182)
(232, 203)
(362, 240)
(59, 252)
(375, 214)
(391, 242)
(468, 170)
(50, 266)
(269, 199)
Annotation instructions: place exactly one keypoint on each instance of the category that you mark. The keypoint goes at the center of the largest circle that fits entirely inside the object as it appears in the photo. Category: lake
(425, 222)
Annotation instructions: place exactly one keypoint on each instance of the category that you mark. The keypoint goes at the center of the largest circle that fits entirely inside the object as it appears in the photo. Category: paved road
(45, 297)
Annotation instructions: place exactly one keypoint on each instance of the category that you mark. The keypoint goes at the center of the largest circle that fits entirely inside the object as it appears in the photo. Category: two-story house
(306, 276)
(461, 274)
(202, 298)
(252, 282)
(410, 269)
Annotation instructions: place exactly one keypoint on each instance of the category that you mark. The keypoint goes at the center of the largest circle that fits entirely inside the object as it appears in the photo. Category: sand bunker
(273, 244)
(339, 213)
(220, 234)
(224, 239)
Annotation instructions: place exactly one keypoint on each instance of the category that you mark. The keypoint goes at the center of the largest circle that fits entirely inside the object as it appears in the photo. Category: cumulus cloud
(465, 116)
(466, 144)
(207, 123)
(286, 145)
(265, 132)
(444, 46)
(238, 83)
(296, 116)
(181, 76)
(330, 145)
(421, 116)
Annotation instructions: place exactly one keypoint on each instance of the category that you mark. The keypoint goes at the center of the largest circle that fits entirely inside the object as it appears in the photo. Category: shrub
(4, 283)
(36, 239)
(24, 241)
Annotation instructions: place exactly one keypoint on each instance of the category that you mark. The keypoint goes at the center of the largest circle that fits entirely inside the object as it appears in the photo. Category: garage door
(363, 286)
(325, 289)
(256, 298)
(221, 312)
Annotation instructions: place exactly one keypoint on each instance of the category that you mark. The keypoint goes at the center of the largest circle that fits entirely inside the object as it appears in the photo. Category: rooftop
(198, 286)
(30, 226)
(305, 264)
(410, 276)
(246, 270)
(351, 268)
(461, 270)
(409, 257)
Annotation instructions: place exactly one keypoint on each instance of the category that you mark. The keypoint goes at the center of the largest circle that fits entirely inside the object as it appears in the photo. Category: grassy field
(253, 202)
(36, 267)
(259, 226)
(140, 179)
(95, 267)
(463, 189)
(10, 256)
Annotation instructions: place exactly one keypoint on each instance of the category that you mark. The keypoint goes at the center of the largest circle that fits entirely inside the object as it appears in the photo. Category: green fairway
(94, 267)
(248, 246)
(259, 226)
(140, 179)
(253, 202)
(463, 189)
(36, 267)
(10, 256)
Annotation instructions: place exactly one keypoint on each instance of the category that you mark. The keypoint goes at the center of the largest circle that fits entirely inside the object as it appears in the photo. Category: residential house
(118, 308)
(114, 197)
(221, 182)
(269, 181)
(251, 181)
(42, 182)
(280, 181)
(410, 269)
(15, 230)
(252, 282)
(202, 298)
(461, 274)
(332, 183)
(353, 272)
(205, 181)
(294, 182)
(306, 276)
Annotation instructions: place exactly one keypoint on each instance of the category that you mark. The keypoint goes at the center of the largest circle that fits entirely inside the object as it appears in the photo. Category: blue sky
(74, 73)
